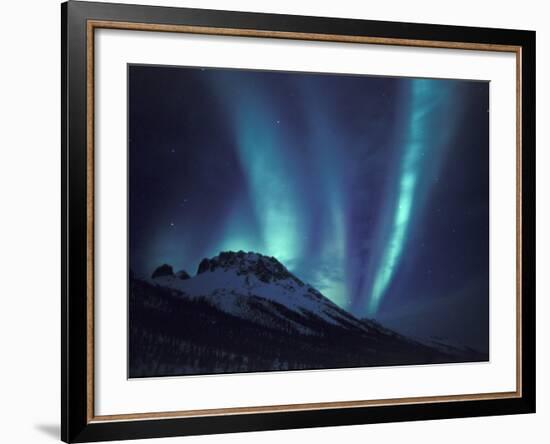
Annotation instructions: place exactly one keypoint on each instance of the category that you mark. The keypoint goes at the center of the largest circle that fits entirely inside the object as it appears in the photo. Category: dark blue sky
(372, 189)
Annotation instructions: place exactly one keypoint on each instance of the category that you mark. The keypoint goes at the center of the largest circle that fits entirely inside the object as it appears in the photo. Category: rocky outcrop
(163, 270)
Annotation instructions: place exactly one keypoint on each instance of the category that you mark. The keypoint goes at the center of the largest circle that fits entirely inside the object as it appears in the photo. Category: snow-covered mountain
(245, 312)
(237, 283)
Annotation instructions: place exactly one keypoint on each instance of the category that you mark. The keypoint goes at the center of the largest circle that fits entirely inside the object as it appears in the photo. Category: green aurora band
(429, 99)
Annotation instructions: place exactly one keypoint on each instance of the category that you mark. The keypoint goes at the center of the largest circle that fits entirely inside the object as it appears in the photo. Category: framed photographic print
(276, 221)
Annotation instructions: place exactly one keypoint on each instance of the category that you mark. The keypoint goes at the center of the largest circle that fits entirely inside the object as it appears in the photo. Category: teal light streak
(270, 175)
(271, 183)
(279, 196)
(422, 101)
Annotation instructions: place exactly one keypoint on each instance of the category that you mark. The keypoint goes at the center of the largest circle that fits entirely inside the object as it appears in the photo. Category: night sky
(375, 190)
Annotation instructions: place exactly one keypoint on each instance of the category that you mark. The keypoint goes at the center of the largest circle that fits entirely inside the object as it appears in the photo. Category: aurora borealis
(374, 190)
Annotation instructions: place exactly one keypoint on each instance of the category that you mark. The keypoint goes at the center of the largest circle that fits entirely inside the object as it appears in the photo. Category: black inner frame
(74, 424)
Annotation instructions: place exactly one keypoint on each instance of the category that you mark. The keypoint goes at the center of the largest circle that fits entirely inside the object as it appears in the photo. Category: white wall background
(30, 218)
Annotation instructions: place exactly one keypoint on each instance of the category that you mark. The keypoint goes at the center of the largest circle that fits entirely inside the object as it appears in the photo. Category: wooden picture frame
(80, 20)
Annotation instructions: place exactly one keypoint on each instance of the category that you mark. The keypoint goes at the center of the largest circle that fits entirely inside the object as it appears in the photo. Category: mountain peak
(250, 285)
(163, 270)
(266, 269)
